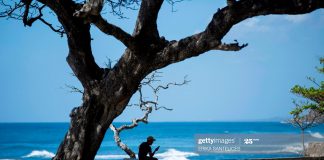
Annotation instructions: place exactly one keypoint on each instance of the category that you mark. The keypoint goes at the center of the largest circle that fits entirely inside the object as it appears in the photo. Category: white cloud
(296, 18)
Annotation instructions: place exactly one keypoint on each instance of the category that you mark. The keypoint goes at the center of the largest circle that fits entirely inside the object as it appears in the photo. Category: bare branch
(11, 10)
(74, 89)
(117, 6)
(29, 15)
(230, 47)
(314, 81)
(146, 106)
(59, 30)
(94, 7)
(223, 20)
(30, 21)
(120, 144)
(146, 21)
(134, 123)
(115, 31)
(185, 81)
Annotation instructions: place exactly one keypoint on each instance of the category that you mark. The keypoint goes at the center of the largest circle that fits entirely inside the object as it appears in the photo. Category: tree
(107, 91)
(310, 113)
(147, 106)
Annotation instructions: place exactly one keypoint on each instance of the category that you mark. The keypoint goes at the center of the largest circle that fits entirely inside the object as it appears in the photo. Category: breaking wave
(173, 154)
(40, 154)
(111, 156)
(293, 148)
(170, 154)
(316, 135)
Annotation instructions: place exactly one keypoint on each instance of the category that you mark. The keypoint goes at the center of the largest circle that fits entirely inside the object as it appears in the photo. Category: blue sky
(252, 84)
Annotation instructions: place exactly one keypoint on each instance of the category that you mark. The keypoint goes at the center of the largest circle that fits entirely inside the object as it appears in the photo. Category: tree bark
(85, 133)
(103, 102)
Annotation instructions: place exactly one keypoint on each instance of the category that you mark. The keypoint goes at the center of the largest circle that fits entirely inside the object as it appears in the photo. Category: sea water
(38, 141)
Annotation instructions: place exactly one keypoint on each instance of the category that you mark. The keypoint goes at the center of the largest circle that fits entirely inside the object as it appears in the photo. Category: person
(145, 148)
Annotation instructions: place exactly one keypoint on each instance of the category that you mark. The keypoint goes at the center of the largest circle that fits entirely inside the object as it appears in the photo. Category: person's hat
(150, 138)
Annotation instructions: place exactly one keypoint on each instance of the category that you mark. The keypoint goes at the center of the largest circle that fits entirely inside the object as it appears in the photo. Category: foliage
(310, 113)
(314, 96)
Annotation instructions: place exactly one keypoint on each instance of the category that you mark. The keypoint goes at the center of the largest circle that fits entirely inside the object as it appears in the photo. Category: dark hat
(150, 138)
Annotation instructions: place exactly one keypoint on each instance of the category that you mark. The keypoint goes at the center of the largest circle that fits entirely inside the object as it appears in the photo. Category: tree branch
(74, 89)
(117, 6)
(146, 26)
(146, 106)
(115, 31)
(16, 11)
(29, 21)
(59, 30)
(80, 57)
(135, 122)
(230, 47)
(26, 12)
(11, 10)
(223, 20)
(90, 8)
(119, 143)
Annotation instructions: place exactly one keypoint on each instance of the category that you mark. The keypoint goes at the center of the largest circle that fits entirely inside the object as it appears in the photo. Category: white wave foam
(316, 135)
(42, 154)
(284, 122)
(294, 148)
(111, 156)
(170, 154)
(173, 154)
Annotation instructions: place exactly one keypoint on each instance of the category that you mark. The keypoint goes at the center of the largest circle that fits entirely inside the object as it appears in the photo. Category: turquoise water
(177, 139)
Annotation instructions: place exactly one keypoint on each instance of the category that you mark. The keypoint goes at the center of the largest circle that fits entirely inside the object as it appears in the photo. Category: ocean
(39, 141)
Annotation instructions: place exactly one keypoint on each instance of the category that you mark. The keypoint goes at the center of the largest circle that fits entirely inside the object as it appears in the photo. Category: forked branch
(145, 105)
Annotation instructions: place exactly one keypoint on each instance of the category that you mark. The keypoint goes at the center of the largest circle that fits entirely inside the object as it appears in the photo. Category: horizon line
(280, 121)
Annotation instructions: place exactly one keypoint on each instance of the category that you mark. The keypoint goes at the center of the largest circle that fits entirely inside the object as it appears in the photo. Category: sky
(250, 85)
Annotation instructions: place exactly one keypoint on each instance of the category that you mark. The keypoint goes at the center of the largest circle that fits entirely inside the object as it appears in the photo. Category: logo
(249, 140)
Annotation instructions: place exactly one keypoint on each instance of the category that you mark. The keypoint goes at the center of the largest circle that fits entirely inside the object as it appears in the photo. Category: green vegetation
(309, 113)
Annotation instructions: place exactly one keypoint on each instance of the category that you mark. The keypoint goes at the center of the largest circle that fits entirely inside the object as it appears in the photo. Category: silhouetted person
(145, 148)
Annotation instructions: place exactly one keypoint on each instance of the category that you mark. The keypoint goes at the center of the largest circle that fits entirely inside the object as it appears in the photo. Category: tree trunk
(85, 133)
(88, 126)
(303, 141)
(106, 91)
(103, 100)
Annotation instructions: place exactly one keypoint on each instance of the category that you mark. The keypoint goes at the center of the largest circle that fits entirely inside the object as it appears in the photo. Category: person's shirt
(144, 149)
